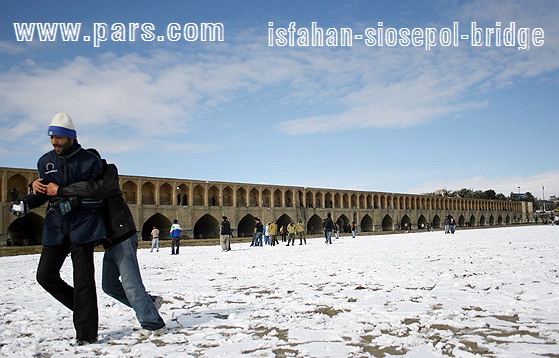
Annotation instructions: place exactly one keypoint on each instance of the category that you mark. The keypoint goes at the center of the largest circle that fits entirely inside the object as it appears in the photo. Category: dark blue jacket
(84, 224)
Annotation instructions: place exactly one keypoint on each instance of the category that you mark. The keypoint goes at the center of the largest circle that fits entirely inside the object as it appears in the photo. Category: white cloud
(410, 86)
(10, 48)
(506, 185)
(134, 95)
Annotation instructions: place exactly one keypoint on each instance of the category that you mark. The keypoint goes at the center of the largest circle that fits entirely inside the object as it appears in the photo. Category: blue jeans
(258, 239)
(120, 260)
(154, 243)
(328, 236)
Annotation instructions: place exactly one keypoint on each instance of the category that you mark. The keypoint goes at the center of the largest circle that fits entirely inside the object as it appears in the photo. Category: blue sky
(391, 118)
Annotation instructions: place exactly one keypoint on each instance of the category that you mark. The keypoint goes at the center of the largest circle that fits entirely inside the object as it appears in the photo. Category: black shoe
(83, 342)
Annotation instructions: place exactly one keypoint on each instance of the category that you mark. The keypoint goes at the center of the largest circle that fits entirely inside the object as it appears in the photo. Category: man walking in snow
(72, 226)
(175, 234)
(121, 244)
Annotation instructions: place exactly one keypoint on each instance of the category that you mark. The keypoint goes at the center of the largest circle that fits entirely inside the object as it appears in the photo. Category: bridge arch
(436, 222)
(206, 227)
(387, 223)
(421, 222)
(314, 225)
(367, 223)
(284, 220)
(405, 223)
(245, 228)
(27, 230)
(342, 222)
(159, 221)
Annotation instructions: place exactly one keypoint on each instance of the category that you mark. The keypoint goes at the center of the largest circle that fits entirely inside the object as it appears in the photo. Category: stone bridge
(199, 206)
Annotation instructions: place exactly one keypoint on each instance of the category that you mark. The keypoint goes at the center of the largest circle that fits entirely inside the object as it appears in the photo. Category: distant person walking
(283, 233)
(291, 234)
(300, 230)
(225, 234)
(452, 224)
(353, 229)
(328, 226)
(154, 239)
(447, 225)
(274, 233)
(337, 231)
(258, 232)
(175, 234)
(267, 234)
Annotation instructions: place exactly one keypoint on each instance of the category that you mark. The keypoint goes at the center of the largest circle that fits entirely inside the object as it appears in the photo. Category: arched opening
(160, 222)
(227, 196)
(500, 220)
(213, 196)
(318, 200)
(309, 200)
(328, 203)
(129, 190)
(343, 224)
(165, 192)
(277, 198)
(266, 198)
(491, 220)
(301, 200)
(284, 220)
(289, 199)
(246, 226)
(314, 226)
(241, 198)
(254, 198)
(421, 222)
(482, 221)
(436, 222)
(369, 202)
(367, 223)
(337, 201)
(405, 223)
(27, 230)
(17, 187)
(148, 194)
(346, 201)
(206, 227)
(507, 220)
(182, 195)
(198, 194)
(387, 224)
(472, 221)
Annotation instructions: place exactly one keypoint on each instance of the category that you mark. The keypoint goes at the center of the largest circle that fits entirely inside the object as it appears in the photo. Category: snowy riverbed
(484, 292)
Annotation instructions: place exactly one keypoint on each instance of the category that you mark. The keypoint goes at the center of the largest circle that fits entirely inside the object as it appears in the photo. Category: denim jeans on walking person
(120, 260)
(328, 236)
(154, 243)
(258, 239)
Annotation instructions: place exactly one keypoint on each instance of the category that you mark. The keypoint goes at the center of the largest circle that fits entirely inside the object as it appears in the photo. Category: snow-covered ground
(484, 292)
